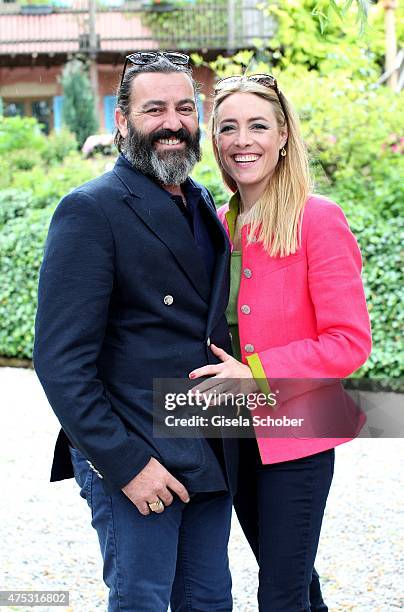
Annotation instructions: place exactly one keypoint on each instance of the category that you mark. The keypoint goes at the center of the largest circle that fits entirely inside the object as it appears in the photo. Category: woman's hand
(230, 376)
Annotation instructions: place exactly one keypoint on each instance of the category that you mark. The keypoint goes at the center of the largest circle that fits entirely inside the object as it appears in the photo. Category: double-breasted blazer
(306, 317)
(124, 298)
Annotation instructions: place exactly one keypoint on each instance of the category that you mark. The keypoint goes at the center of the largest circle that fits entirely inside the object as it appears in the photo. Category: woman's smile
(246, 159)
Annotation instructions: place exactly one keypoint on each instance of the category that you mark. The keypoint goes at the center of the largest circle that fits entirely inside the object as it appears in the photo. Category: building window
(12, 108)
(41, 109)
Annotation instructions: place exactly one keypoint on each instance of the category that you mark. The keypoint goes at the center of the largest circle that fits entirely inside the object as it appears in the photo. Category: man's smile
(172, 143)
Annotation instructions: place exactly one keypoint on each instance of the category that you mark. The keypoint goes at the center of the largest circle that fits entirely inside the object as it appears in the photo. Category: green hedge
(35, 172)
(381, 244)
(48, 184)
(370, 198)
(21, 250)
(14, 203)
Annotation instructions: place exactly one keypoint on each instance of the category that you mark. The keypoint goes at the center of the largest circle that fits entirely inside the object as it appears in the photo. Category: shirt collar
(190, 189)
(231, 215)
(192, 194)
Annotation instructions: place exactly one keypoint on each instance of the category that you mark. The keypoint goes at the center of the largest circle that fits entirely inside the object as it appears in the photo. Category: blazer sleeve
(75, 285)
(343, 341)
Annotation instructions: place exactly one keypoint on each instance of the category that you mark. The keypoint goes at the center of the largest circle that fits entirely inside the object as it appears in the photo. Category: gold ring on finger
(156, 506)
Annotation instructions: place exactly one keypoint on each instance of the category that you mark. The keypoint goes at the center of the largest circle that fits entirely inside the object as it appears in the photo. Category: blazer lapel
(154, 207)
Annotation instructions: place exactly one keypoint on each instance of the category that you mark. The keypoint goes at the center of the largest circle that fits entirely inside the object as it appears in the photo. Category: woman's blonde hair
(276, 216)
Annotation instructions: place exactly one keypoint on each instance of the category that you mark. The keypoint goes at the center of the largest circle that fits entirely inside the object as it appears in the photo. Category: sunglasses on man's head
(266, 80)
(142, 58)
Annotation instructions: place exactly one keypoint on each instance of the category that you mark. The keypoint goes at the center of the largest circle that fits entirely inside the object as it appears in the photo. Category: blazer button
(208, 342)
(245, 309)
(249, 348)
(168, 300)
(247, 272)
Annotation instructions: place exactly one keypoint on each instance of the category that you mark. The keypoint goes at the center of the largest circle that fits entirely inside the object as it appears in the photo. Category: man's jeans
(177, 557)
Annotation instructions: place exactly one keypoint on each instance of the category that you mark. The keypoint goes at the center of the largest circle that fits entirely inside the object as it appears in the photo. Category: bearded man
(133, 287)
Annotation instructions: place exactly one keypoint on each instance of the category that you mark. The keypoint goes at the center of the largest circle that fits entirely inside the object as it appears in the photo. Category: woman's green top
(231, 311)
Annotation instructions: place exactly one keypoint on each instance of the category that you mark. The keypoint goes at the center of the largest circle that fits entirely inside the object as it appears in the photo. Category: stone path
(46, 541)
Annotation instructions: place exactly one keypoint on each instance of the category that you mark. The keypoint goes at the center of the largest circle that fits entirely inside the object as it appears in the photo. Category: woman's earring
(283, 152)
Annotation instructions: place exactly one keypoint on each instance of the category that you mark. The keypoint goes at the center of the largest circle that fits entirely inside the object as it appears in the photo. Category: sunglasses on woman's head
(266, 80)
(142, 58)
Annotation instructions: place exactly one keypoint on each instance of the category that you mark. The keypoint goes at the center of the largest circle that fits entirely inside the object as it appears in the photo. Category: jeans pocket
(83, 474)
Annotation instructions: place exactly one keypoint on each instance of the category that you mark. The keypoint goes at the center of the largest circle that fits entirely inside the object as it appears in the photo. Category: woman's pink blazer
(306, 315)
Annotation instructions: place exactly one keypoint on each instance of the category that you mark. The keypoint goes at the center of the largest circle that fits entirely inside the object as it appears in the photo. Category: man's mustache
(182, 134)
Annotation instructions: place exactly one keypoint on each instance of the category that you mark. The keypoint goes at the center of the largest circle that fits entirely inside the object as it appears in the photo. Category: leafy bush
(23, 159)
(58, 146)
(20, 133)
(350, 129)
(48, 185)
(382, 191)
(43, 173)
(26, 206)
(21, 250)
(14, 203)
(310, 34)
(30, 178)
(381, 244)
(23, 147)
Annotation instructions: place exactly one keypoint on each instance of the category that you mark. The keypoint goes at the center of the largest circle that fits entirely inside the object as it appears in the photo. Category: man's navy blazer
(117, 246)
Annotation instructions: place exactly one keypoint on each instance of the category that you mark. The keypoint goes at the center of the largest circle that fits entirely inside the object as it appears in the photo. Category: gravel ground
(47, 541)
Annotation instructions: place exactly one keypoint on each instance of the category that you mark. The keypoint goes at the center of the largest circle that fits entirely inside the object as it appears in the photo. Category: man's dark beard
(166, 167)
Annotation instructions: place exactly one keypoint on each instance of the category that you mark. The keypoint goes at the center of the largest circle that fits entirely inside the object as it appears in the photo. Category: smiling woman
(296, 310)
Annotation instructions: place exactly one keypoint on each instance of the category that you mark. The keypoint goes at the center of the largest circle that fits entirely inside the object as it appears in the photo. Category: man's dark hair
(162, 65)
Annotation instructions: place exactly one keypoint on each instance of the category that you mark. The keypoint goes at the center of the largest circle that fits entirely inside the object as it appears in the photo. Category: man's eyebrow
(187, 101)
(164, 103)
(154, 103)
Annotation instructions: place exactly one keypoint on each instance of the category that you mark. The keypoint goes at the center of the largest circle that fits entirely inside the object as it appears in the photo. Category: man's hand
(154, 482)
